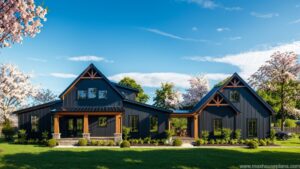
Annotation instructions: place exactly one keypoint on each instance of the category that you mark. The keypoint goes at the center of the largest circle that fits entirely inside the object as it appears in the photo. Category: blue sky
(156, 41)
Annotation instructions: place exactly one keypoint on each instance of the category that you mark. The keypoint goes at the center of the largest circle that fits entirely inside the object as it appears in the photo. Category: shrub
(242, 141)
(33, 141)
(22, 136)
(237, 134)
(169, 134)
(94, 143)
(226, 133)
(252, 144)
(247, 141)
(155, 142)
(8, 131)
(45, 135)
(218, 141)
(212, 141)
(177, 142)
(125, 144)
(199, 142)
(205, 142)
(223, 141)
(82, 142)
(163, 141)
(52, 143)
(141, 141)
(100, 143)
(110, 143)
(205, 134)
(262, 143)
(233, 141)
(290, 123)
(126, 132)
(147, 140)
(272, 134)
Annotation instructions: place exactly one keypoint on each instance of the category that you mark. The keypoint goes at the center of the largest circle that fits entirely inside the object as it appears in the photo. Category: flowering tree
(44, 96)
(199, 88)
(19, 18)
(15, 89)
(167, 97)
(278, 77)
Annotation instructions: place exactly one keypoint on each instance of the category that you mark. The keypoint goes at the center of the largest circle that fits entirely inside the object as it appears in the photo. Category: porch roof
(90, 109)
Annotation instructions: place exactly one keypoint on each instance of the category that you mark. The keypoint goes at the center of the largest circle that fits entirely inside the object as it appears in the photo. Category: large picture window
(102, 94)
(252, 127)
(81, 94)
(234, 96)
(153, 124)
(134, 123)
(92, 93)
(102, 121)
(217, 127)
(34, 123)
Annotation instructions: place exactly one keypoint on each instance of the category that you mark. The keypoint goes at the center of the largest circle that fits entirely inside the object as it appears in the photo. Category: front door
(74, 126)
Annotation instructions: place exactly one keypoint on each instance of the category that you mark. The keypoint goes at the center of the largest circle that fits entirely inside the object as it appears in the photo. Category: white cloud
(249, 62)
(235, 8)
(89, 58)
(63, 75)
(209, 4)
(235, 38)
(295, 21)
(264, 15)
(36, 59)
(194, 28)
(222, 29)
(155, 79)
(169, 35)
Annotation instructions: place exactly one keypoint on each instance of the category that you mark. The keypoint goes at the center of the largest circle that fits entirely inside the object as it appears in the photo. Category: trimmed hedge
(82, 142)
(125, 144)
(52, 143)
(177, 142)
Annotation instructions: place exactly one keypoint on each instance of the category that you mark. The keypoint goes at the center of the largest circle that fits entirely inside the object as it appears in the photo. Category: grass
(290, 142)
(30, 156)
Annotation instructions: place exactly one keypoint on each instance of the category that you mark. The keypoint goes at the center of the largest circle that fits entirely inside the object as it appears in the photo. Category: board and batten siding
(250, 107)
(96, 130)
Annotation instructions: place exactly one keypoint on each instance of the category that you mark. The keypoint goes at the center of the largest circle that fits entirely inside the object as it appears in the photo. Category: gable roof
(235, 75)
(147, 105)
(125, 87)
(91, 66)
(38, 107)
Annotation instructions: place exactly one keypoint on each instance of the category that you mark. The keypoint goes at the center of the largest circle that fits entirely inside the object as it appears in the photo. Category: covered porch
(86, 125)
(192, 129)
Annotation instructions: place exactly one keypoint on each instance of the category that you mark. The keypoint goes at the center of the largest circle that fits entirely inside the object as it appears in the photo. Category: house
(94, 107)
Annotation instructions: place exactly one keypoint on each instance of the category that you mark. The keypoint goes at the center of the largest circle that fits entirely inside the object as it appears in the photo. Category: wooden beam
(182, 115)
(196, 125)
(85, 123)
(234, 86)
(218, 105)
(56, 124)
(118, 124)
(90, 113)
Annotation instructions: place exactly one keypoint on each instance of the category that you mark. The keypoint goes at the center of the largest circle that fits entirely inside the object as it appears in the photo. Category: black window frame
(88, 93)
(105, 91)
(78, 95)
(133, 123)
(152, 127)
(105, 121)
(234, 96)
(220, 122)
(36, 123)
(251, 130)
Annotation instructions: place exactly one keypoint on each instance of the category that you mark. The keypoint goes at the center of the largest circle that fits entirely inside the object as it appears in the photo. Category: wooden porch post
(196, 125)
(86, 123)
(56, 124)
(118, 124)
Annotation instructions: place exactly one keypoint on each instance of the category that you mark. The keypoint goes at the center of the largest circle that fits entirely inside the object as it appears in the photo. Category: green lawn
(290, 142)
(29, 156)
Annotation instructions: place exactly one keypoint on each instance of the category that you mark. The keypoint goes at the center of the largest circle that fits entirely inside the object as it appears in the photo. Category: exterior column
(118, 130)
(86, 133)
(56, 134)
(196, 125)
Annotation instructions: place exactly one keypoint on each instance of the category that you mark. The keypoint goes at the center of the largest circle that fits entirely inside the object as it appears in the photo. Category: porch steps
(188, 140)
(68, 141)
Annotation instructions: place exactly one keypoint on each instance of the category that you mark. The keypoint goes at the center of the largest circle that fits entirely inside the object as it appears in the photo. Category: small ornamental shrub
(262, 143)
(218, 141)
(242, 141)
(163, 141)
(8, 131)
(52, 143)
(45, 135)
(22, 136)
(199, 142)
(126, 133)
(205, 134)
(212, 141)
(82, 142)
(177, 142)
(223, 141)
(110, 143)
(141, 141)
(147, 140)
(169, 134)
(205, 142)
(237, 134)
(125, 144)
(226, 133)
(33, 141)
(94, 143)
(247, 141)
(100, 143)
(252, 144)
(272, 134)
(290, 123)
(155, 142)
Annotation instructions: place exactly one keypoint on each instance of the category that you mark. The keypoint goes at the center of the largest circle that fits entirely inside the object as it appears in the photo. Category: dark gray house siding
(97, 131)
(129, 94)
(144, 114)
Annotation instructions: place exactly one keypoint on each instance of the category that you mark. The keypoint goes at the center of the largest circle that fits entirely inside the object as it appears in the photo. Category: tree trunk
(282, 106)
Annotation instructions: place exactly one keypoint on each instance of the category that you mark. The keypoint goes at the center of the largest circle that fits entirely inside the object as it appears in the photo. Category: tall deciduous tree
(167, 97)
(199, 87)
(15, 89)
(142, 96)
(44, 96)
(18, 19)
(279, 75)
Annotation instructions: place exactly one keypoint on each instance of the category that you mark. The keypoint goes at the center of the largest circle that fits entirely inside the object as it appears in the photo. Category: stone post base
(56, 136)
(118, 137)
(86, 136)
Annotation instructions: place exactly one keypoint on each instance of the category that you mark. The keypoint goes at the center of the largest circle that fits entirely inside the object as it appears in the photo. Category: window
(153, 124)
(81, 94)
(34, 123)
(92, 93)
(252, 127)
(234, 96)
(134, 123)
(102, 94)
(70, 125)
(102, 121)
(79, 124)
(217, 127)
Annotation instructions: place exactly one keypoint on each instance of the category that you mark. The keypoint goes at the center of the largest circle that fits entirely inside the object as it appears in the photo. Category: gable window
(34, 123)
(81, 94)
(92, 93)
(234, 96)
(102, 94)
(134, 123)
(153, 124)
(102, 121)
(217, 127)
(252, 127)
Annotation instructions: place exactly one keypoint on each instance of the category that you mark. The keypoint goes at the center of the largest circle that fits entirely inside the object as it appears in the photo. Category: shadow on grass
(169, 158)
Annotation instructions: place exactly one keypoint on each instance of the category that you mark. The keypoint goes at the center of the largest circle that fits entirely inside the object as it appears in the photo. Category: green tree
(166, 97)
(141, 96)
